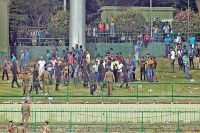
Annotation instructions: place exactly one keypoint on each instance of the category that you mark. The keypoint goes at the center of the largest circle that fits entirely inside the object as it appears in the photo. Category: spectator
(155, 31)
(147, 27)
(107, 30)
(34, 37)
(112, 26)
(166, 29)
(147, 39)
(191, 56)
(172, 59)
(197, 53)
(139, 40)
(167, 45)
(192, 40)
(101, 27)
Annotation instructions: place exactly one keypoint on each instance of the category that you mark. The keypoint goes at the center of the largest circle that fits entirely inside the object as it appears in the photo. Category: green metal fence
(110, 120)
(137, 92)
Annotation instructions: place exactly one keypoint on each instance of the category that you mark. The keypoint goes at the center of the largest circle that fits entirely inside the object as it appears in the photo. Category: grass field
(78, 94)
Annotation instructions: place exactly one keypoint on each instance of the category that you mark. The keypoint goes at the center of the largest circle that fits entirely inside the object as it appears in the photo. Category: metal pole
(151, 23)
(188, 20)
(64, 5)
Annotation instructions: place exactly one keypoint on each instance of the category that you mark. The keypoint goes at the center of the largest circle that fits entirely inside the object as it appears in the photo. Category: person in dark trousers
(191, 56)
(15, 74)
(93, 85)
(142, 68)
(86, 71)
(57, 75)
(5, 68)
(36, 83)
(125, 75)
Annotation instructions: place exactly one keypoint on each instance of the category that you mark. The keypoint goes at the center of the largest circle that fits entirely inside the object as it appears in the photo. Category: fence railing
(137, 92)
(107, 120)
(99, 38)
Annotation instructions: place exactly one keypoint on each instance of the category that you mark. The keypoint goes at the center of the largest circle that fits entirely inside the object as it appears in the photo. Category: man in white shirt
(166, 29)
(41, 64)
(119, 71)
(96, 73)
(172, 59)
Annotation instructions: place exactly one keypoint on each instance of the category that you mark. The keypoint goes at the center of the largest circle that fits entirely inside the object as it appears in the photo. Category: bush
(183, 18)
(59, 24)
(131, 21)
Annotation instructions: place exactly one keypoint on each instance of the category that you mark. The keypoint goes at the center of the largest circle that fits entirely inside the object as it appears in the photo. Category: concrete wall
(155, 49)
(162, 12)
(4, 26)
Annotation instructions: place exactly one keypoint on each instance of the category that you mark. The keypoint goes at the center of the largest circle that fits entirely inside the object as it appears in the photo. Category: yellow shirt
(88, 58)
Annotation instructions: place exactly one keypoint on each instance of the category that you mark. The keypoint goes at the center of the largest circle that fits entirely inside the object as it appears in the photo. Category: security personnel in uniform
(21, 128)
(57, 75)
(46, 128)
(25, 82)
(125, 75)
(10, 127)
(93, 85)
(109, 79)
(45, 79)
(15, 74)
(25, 112)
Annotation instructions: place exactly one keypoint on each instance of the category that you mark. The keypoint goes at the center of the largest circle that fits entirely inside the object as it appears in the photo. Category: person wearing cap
(167, 45)
(46, 128)
(11, 129)
(36, 83)
(41, 64)
(45, 77)
(15, 74)
(109, 79)
(21, 61)
(21, 128)
(25, 83)
(25, 109)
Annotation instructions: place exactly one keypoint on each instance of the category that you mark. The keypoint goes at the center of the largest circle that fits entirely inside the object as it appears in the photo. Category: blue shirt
(134, 62)
(26, 58)
(14, 59)
(48, 57)
(57, 54)
(112, 53)
(137, 50)
(192, 40)
(167, 40)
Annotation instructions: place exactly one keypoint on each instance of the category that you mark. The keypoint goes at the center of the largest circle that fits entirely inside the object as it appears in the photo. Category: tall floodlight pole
(77, 23)
(65, 3)
(188, 19)
(151, 21)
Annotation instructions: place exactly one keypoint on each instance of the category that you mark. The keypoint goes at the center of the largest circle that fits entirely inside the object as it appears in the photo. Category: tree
(39, 11)
(59, 24)
(16, 16)
(198, 5)
(130, 21)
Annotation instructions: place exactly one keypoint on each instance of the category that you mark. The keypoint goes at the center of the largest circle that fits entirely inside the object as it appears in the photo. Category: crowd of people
(33, 37)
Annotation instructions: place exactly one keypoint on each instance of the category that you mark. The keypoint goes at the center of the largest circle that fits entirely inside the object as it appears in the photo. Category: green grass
(77, 92)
